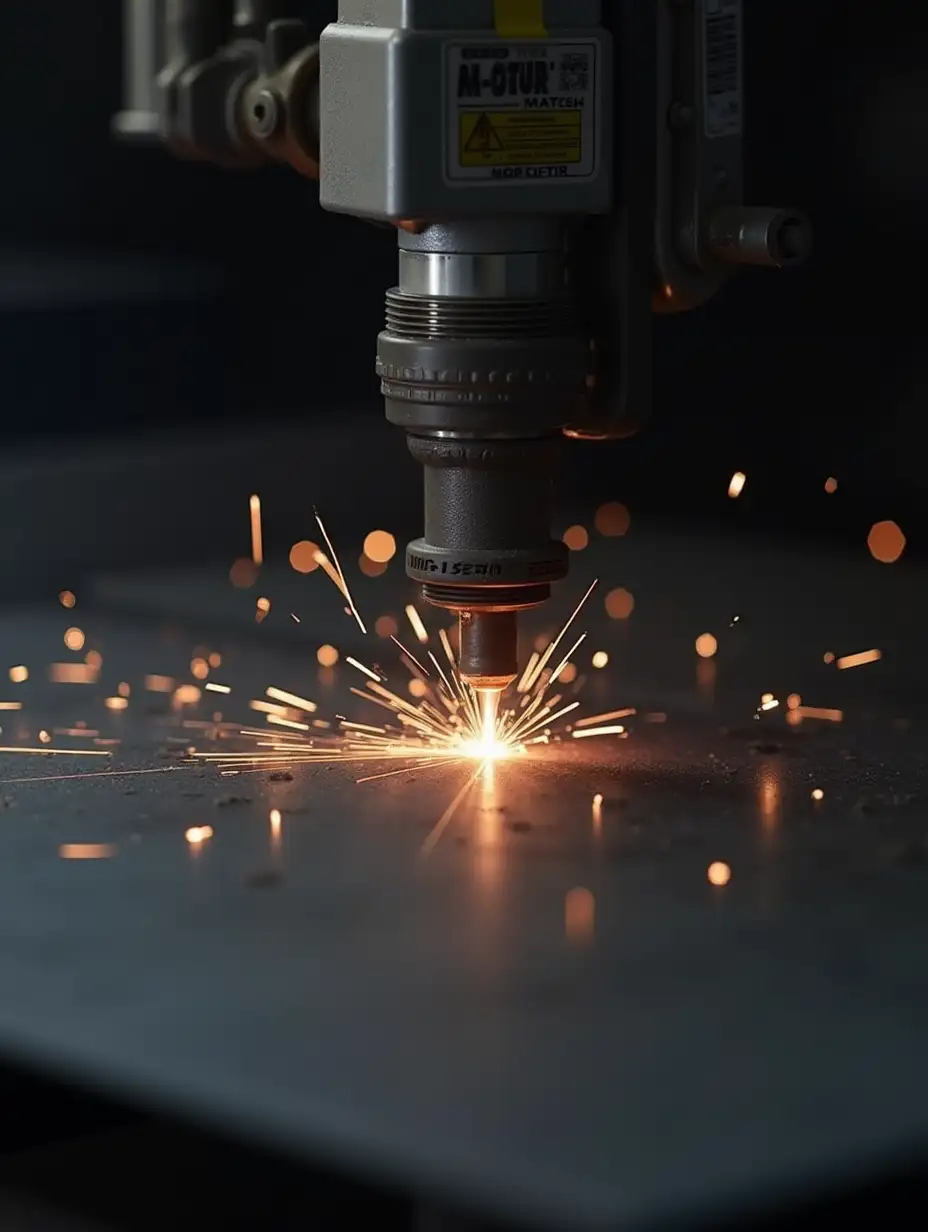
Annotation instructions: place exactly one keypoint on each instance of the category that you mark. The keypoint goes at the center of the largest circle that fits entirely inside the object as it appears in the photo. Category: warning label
(502, 138)
(524, 110)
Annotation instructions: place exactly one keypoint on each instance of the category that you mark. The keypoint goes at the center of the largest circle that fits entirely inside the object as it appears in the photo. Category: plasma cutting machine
(556, 171)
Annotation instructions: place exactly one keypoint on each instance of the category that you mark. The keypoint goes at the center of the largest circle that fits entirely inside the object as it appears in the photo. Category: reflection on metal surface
(442, 824)
(489, 829)
(706, 672)
(769, 796)
(598, 814)
(87, 851)
(580, 915)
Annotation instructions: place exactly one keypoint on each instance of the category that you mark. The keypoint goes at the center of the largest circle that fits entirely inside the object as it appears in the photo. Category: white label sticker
(722, 42)
(521, 111)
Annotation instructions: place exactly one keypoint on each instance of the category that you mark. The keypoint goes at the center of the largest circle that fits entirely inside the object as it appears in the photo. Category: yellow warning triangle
(484, 137)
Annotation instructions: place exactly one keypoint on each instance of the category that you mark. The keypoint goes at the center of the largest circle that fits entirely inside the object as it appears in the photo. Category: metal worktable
(449, 1023)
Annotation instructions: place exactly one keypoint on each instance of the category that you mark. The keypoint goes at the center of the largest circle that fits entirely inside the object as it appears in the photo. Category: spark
(343, 585)
(198, 834)
(380, 547)
(719, 873)
(213, 687)
(417, 626)
(47, 752)
(575, 538)
(858, 660)
(11, 705)
(257, 703)
(96, 774)
(409, 654)
(600, 658)
(817, 793)
(616, 730)
(327, 656)
(282, 722)
(361, 668)
(886, 542)
(257, 537)
(736, 484)
(116, 703)
(604, 718)
(819, 712)
(303, 558)
(73, 673)
(446, 722)
(159, 684)
(543, 661)
(612, 519)
(442, 824)
(292, 699)
(19, 674)
(706, 645)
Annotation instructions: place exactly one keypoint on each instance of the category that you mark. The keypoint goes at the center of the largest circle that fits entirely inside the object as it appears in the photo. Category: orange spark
(612, 519)
(736, 484)
(858, 660)
(159, 684)
(886, 542)
(576, 538)
(819, 712)
(304, 556)
(74, 638)
(417, 626)
(292, 699)
(257, 538)
(380, 547)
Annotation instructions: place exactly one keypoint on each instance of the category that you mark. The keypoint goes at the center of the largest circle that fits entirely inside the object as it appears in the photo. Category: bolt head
(264, 114)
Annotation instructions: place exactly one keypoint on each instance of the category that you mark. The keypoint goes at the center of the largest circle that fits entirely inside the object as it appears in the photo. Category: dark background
(137, 291)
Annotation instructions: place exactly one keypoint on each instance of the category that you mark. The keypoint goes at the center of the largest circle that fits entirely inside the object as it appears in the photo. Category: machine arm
(556, 171)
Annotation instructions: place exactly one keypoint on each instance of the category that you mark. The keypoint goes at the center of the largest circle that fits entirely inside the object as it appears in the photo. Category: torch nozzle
(489, 650)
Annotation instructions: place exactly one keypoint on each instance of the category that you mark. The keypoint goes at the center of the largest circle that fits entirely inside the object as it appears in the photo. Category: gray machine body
(385, 124)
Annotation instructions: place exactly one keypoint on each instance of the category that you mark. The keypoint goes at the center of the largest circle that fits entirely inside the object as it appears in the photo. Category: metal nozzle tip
(489, 644)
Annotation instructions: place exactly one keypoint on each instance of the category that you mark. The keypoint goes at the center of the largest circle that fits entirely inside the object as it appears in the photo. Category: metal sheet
(458, 1022)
